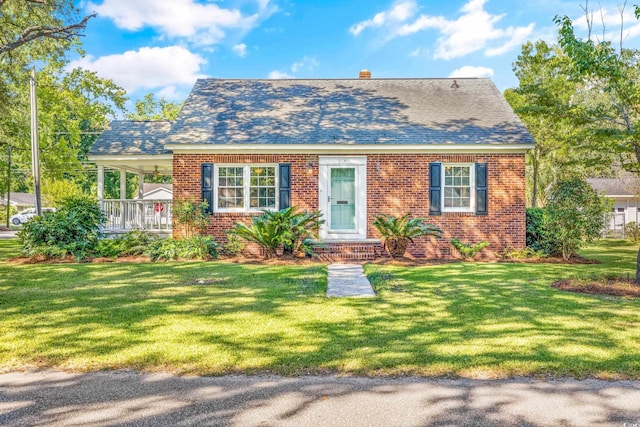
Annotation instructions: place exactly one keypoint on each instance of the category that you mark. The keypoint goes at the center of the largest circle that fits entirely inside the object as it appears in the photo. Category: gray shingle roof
(132, 137)
(610, 186)
(353, 111)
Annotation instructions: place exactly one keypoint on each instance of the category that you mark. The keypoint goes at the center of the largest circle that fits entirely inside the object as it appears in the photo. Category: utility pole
(35, 148)
(8, 183)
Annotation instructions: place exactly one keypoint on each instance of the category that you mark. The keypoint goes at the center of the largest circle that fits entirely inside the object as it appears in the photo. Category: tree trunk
(638, 268)
(534, 195)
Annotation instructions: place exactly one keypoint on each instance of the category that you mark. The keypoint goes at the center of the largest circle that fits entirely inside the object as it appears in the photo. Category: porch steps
(349, 251)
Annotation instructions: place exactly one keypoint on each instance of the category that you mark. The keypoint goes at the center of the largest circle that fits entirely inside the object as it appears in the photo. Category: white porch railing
(126, 215)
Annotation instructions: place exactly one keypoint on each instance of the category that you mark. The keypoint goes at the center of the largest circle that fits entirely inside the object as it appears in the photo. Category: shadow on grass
(468, 319)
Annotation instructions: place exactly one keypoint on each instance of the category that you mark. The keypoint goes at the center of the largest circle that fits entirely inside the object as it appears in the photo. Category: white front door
(343, 197)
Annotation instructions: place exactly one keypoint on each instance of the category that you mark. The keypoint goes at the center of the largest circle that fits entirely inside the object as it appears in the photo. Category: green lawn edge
(488, 320)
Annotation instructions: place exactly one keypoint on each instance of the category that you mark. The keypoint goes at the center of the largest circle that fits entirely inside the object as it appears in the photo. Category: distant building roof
(347, 111)
(149, 187)
(132, 137)
(610, 187)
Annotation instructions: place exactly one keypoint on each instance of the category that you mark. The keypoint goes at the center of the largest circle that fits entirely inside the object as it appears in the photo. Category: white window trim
(246, 174)
(472, 185)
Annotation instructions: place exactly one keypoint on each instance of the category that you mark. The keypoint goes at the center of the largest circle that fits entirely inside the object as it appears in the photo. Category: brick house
(449, 150)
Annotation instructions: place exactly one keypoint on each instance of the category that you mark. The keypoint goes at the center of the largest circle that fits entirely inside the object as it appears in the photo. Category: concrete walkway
(127, 398)
(8, 234)
(348, 280)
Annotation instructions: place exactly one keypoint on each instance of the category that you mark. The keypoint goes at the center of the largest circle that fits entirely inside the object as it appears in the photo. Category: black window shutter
(481, 189)
(284, 172)
(435, 188)
(206, 185)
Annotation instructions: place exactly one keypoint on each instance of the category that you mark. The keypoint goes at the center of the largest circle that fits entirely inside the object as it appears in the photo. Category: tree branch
(37, 32)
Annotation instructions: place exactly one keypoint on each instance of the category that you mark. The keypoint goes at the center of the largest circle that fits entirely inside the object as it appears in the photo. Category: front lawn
(470, 319)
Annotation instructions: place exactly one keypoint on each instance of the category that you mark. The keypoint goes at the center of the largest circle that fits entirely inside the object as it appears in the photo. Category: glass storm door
(342, 199)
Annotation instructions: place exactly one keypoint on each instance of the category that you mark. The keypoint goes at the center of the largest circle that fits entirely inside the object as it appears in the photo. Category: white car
(25, 215)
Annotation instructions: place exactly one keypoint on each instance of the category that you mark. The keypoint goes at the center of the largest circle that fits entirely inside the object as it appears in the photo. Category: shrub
(398, 232)
(524, 253)
(538, 236)
(191, 217)
(632, 231)
(467, 250)
(233, 247)
(285, 229)
(73, 230)
(3, 214)
(133, 243)
(574, 215)
(194, 247)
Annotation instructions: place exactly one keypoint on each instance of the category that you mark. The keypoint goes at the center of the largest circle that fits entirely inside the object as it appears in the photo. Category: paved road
(128, 398)
(8, 234)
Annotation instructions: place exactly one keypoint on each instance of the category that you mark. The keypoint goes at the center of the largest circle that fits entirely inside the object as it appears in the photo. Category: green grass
(468, 319)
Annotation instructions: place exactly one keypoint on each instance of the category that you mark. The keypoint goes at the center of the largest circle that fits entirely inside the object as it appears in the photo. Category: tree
(611, 79)
(574, 215)
(25, 21)
(542, 100)
(150, 108)
(611, 74)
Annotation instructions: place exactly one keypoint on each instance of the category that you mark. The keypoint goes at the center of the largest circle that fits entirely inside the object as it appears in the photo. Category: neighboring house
(157, 191)
(625, 201)
(451, 151)
(20, 201)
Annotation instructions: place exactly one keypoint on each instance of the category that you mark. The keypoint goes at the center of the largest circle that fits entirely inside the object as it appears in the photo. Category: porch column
(140, 205)
(101, 186)
(123, 196)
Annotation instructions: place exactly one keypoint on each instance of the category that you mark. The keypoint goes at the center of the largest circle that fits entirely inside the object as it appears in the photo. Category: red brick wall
(396, 184)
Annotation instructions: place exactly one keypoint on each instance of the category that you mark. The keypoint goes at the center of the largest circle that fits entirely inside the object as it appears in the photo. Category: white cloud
(399, 12)
(308, 63)
(275, 74)
(146, 68)
(240, 50)
(470, 71)
(474, 30)
(203, 24)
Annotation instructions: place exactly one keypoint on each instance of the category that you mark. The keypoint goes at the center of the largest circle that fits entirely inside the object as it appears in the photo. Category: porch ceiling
(145, 164)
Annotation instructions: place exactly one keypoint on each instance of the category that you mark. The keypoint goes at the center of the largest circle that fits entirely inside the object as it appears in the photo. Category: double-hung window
(245, 187)
(458, 192)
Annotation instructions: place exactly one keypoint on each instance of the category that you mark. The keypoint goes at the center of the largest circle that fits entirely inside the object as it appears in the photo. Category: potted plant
(398, 232)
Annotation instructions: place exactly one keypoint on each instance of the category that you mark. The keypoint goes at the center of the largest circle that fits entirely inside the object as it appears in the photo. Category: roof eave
(347, 148)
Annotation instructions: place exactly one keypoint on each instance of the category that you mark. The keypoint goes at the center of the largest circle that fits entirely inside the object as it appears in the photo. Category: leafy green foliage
(285, 229)
(574, 215)
(522, 253)
(233, 247)
(397, 232)
(191, 217)
(73, 230)
(135, 242)
(632, 231)
(544, 101)
(538, 237)
(194, 247)
(467, 250)
(611, 95)
(150, 108)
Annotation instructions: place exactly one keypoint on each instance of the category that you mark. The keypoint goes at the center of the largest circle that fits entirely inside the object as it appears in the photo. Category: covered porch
(140, 212)
(134, 147)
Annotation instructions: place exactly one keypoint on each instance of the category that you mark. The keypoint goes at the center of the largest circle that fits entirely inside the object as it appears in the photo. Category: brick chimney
(365, 74)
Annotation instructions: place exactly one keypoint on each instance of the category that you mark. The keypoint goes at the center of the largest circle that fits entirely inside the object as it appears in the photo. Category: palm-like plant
(285, 228)
(398, 232)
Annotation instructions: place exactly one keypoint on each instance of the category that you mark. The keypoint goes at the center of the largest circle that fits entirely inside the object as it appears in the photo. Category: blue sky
(163, 46)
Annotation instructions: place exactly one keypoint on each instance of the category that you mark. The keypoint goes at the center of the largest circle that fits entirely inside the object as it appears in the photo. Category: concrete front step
(349, 251)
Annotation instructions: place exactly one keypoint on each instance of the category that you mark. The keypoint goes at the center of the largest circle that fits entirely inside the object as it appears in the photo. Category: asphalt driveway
(129, 398)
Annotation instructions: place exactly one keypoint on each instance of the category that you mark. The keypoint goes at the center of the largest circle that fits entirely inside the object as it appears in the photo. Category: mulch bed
(620, 287)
